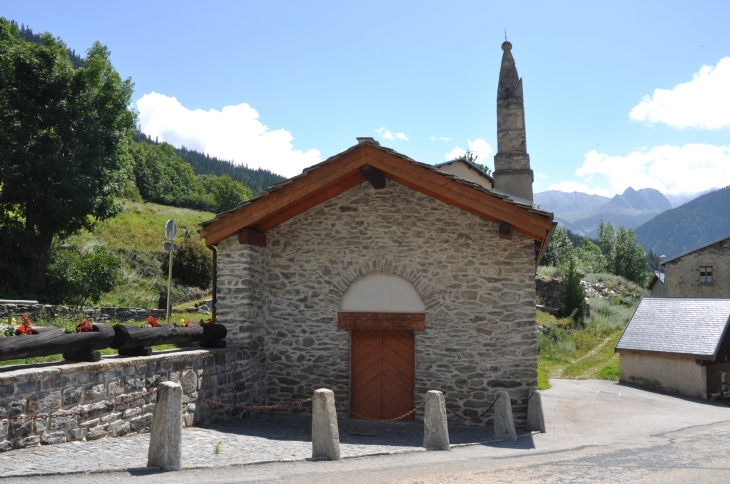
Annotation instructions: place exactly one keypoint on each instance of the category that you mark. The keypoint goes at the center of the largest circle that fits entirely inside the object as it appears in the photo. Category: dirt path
(596, 349)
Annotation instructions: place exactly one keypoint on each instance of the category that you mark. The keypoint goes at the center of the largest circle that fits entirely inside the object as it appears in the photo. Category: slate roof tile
(693, 327)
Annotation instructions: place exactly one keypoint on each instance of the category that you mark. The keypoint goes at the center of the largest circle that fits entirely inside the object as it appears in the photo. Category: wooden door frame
(377, 320)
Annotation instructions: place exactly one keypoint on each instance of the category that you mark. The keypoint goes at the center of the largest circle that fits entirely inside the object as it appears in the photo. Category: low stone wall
(97, 315)
(224, 375)
(546, 289)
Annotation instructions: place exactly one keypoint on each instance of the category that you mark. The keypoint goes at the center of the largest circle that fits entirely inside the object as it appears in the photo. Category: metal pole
(169, 284)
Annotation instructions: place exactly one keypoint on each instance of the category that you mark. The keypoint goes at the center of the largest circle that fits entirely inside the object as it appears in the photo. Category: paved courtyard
(262, 439)
(598, 431)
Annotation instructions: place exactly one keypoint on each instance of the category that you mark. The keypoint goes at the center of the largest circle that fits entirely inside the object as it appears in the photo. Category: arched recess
(382, 292)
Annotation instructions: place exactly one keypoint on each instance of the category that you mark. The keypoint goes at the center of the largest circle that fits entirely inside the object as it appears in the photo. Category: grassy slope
(141, 226)
(586, 351)
(139, 232)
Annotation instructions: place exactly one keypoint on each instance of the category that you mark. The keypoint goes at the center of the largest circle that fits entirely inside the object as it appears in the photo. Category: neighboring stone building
(382, 278)
(656, 285)
(468, 171)
(680, 345)
(700, 272)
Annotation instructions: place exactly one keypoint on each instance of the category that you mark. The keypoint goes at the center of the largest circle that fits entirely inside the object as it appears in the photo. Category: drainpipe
(664, 272)
(214, 249)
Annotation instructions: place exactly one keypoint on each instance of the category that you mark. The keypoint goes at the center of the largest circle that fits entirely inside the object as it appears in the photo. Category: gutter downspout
(214, 249)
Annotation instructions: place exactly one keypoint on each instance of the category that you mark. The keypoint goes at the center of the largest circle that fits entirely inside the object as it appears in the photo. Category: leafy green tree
(571, 295)
(63, 133)
(79, 279)
(606, 241)
(163, 177)
(629, 257)
(591, 258)
(559, 251)
(227, 193)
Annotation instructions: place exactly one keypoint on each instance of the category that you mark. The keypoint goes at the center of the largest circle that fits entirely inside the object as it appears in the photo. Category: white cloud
(440, 138)
(690, 168)
(703, 102)
(541, 175)
(386, 134)
(571, 186)
(479, 147)
(233, 133)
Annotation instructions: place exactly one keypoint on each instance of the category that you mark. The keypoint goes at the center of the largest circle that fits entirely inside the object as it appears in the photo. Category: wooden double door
(383, 364)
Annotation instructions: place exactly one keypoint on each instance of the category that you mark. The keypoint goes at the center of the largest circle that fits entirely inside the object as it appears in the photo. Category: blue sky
(285, 84)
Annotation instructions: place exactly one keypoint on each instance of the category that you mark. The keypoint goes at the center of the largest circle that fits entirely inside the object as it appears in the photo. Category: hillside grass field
(135, 236)
(586, 351)
(141, 226)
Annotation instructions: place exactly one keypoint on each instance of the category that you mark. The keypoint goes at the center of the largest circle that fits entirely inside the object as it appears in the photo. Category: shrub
(571, 295)
(78, 279)
(192, 264)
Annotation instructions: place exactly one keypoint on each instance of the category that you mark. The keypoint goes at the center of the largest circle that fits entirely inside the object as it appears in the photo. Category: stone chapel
(381, 278)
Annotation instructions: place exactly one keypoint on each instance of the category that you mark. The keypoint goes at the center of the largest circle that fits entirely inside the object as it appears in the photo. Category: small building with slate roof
(382, 278)
(680, 345)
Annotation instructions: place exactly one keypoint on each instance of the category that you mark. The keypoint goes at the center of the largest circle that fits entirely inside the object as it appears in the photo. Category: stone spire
(512, 173)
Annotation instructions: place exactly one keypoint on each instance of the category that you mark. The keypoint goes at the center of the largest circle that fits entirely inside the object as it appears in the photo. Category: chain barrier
(344, 405)
(478, 416)
(107, 407)
(251, 407)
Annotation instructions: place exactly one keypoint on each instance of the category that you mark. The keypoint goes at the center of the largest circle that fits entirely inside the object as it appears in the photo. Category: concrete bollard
(325, 434)
(435, 427)
(166, 437)
(504, 424)
(535, 418)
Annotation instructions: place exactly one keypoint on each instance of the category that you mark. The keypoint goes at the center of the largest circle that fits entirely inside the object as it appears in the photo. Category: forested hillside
(695, 223)
(27, 34)
(203, 164)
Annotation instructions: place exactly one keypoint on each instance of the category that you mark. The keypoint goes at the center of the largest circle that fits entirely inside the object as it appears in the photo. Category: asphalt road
(597, 432)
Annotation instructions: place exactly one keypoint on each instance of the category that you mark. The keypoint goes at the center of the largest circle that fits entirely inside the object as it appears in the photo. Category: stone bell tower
(512, 173)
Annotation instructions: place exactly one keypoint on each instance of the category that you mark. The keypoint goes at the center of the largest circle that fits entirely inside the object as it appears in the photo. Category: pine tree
(571, 295)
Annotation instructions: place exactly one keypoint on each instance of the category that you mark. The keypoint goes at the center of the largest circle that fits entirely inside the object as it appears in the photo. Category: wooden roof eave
(343, 173)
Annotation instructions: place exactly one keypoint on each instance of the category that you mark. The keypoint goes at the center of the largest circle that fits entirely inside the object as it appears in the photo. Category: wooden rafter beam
(251, 237)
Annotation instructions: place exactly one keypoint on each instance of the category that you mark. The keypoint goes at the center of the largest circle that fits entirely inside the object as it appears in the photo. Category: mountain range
(582, 212)
(697, 222)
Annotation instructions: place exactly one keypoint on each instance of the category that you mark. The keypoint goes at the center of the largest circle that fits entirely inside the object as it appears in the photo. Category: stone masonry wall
(478, 289)
(67, 388)
(683, 274)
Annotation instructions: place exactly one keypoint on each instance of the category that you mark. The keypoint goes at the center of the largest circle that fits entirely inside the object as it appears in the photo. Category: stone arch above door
(382, 292)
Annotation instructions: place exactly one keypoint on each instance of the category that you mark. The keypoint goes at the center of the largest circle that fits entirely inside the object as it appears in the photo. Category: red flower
(152, 322)
(26, 320)
(21, 330)
(188, 323)
(84, 327)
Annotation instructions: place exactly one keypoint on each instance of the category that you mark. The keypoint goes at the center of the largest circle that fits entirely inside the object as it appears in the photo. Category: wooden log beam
(373, 176)
(251, 237)
(130, 340)
(53, 341)
(506, 231)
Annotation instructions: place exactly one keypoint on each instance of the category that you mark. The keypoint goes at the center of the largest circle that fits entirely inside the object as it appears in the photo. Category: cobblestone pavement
(255, 440)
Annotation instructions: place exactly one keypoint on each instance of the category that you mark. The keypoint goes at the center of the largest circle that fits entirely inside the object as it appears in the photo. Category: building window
(706, 275)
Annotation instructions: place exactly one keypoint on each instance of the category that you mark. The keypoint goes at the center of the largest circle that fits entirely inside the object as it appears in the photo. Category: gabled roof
(470, 165)
(697, 248)
(658, 276)
(343, 171)
(680, 326)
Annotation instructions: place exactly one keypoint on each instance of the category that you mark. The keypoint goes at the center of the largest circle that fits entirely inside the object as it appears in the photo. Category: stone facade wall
(478, 289)
(683, 274)
(67, 388)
